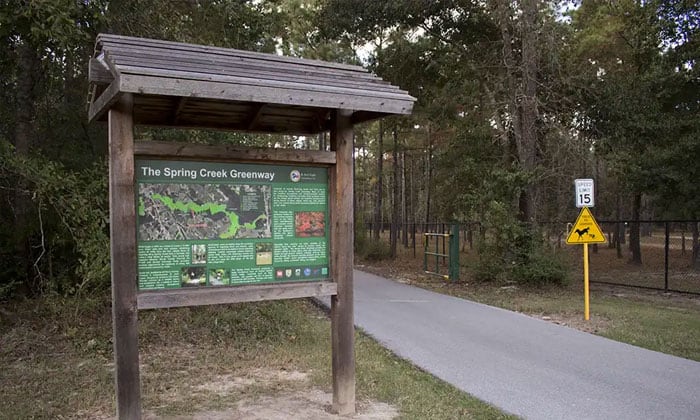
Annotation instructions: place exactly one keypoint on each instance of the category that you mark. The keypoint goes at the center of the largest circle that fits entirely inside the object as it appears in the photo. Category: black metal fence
(668, 255)
(668, 250)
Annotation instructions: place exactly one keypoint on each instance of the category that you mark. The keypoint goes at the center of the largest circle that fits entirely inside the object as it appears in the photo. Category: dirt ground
(313, 405)
(303, 404)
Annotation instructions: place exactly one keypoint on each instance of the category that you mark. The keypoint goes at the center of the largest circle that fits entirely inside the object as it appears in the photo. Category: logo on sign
(295, 176)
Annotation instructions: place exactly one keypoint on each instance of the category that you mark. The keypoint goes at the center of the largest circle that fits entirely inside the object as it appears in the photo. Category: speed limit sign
(584, 193)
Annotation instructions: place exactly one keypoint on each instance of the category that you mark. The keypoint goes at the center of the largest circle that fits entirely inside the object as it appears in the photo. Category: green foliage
(72, 211)
(490, 267)
(360, 234)
(365, 247)
(543, 267)
(617, 99)
(635, 68)
(517, 253)
(47, 23)
(371, 250)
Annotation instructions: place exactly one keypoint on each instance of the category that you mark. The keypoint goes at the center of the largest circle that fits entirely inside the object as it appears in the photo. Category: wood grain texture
(236, 294)
(103, 102)
(243, 90)
(255, 115)
(135, 61)
(342, 318)
(99, 73)
(133, 42)
(311, 84)
(277, 94)
(122, 225)
(228, 153)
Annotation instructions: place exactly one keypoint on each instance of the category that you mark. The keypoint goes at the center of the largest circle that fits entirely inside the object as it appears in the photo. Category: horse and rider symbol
(585, 230)
(582, 232)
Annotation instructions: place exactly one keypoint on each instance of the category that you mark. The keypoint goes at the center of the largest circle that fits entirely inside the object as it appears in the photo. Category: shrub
(70, 221)
(488, 268)
(374, 251)
(542, 267)
(517, 252)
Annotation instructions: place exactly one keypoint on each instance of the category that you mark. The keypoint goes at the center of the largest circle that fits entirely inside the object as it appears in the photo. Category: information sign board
(585, 196)
(205, 224)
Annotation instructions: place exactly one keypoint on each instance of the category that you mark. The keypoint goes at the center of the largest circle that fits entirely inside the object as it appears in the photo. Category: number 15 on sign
(584, 193)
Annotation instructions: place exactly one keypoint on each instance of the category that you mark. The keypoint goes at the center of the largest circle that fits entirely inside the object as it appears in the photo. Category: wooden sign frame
(139, 81)
(127, 300)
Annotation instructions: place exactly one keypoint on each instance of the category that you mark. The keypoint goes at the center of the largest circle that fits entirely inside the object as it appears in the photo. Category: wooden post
(122, 227)
(342, 317)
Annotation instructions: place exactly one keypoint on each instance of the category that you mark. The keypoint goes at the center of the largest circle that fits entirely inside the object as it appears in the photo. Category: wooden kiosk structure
(159, 83)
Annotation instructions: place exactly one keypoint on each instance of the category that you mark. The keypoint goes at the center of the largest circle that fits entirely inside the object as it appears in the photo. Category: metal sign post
(585, 231)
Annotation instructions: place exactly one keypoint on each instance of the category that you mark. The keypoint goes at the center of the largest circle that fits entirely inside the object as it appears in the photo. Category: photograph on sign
(215, 224)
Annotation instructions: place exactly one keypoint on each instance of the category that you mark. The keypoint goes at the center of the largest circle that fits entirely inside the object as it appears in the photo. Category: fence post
(437, 252)
(683, 241)
(666, 247)
(454, 253)
(413, 239)
(425, 252)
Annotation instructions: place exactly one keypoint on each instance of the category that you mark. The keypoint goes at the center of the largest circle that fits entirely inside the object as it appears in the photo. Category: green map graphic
(203, 211)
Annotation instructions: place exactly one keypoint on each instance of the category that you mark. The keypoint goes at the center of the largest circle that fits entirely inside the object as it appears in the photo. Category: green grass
(662, 326)
(56, 361)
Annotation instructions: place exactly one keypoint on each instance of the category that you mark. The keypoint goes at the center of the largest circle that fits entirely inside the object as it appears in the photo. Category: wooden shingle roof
(187, 85)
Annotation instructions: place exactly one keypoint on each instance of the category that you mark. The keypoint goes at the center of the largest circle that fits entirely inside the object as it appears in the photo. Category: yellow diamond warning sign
(585, 230)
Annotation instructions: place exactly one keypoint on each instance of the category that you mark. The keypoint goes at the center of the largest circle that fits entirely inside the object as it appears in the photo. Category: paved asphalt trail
(523, 365)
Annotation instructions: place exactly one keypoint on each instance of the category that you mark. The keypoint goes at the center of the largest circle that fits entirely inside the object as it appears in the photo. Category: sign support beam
(122, 225)
(584, 231)
(342, 248)
(586, 294)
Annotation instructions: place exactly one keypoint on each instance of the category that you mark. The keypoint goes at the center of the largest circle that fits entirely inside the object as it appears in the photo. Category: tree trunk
(528, 106)
(396, 208)
(357, 223)
(28, 65)
(404, 207)
(376, 223)
(635, 246)
(430, 176)
(412, 201)
(683, 240)
(696, 246)
(619, 227)
(521, 81)
(25, 113)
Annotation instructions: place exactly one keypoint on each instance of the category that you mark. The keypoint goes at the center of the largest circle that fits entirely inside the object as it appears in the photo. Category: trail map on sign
(204, 224)
(203, 211)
